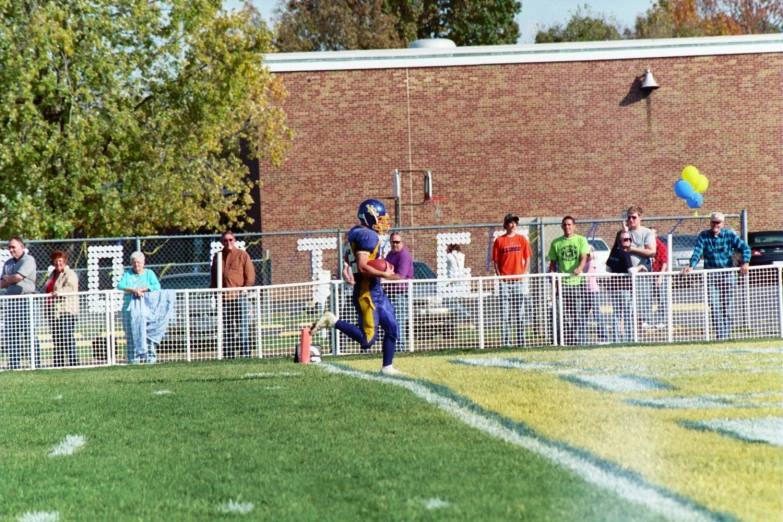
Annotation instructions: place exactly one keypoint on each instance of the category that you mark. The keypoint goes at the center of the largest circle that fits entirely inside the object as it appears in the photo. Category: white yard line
(39, 516)
(273, 374)
(235, 507)
(68, 446)
(632, 490)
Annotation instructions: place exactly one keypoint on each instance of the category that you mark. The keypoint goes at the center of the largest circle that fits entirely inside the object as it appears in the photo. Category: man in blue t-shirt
(372, 306)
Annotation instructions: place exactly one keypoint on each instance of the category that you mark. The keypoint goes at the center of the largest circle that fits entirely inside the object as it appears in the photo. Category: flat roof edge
(510, 54)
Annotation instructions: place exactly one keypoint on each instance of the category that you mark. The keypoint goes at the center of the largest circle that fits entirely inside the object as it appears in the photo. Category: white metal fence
(96, 328)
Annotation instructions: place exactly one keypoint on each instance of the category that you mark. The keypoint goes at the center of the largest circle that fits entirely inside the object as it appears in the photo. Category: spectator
(718, 246)
(401, 260)
(511, 255)
(455, 268)
(63, 309)
(660, 264)
(19, 279)
(135, 283)
(642, 252)
(620, 262)
(238, 272)
(568, 255)
(591, 300)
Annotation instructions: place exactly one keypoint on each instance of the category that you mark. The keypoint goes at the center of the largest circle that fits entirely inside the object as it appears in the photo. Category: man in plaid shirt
(718, 246)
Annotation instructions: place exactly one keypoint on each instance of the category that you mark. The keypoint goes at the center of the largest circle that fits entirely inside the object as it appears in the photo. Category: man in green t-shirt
(568, 255)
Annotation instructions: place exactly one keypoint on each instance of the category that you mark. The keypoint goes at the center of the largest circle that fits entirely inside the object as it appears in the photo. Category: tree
(686, 18)
(317, 25)
(335, 25)
(583, 26)
(120, 117)
(466, 22)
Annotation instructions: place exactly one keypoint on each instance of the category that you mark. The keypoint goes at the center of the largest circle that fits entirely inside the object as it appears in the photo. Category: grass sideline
(294, 441)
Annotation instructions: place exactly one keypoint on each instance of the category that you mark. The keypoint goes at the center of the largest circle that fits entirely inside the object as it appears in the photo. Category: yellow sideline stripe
(719, 472)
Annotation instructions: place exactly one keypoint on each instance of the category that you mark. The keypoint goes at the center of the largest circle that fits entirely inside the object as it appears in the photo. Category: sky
(535, 13)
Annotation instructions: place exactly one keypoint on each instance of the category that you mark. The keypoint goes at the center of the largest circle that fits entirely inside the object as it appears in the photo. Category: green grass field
(460, 439)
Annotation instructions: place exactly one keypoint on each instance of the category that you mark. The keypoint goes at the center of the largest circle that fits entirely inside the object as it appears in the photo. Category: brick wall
(544, 139)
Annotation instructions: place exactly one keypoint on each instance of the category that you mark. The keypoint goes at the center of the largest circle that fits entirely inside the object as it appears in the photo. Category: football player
(372, 306)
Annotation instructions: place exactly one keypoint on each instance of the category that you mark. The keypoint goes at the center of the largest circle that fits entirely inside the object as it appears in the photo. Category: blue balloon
(683, 189)
(695, 200)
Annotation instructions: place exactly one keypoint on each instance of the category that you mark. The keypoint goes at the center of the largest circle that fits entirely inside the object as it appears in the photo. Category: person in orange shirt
(238, 272)
(510, 256)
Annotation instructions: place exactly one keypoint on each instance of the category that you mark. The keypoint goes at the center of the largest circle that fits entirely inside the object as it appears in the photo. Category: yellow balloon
(701, 183)
(690, 174)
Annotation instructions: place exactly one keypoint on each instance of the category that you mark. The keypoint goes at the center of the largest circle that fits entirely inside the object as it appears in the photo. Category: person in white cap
(717, 246)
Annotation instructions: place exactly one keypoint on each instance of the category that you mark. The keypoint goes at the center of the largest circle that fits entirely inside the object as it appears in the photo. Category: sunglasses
(228, 241)
(396, 242)
(633, 217)
(626, 239)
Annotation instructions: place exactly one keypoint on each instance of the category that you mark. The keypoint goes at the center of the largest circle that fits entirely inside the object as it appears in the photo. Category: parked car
(601, 250)
(766, 248)
(203, 312)
(682, 250)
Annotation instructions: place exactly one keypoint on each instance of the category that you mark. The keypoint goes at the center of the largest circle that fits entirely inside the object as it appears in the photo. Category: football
(378, 264)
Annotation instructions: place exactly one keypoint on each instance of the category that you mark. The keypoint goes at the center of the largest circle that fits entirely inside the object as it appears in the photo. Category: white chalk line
(434, 503)
(68, 446)
(39, 516)
(765, 429)
(161, 392)
(638, 493)
(235, 507)
(273, 374)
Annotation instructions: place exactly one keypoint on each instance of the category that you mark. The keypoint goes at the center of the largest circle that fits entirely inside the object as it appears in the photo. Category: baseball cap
(510, 217)
(716, 216)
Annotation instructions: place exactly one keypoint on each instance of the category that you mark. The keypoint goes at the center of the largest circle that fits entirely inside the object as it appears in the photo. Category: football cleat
(327, 320)
(391, 371)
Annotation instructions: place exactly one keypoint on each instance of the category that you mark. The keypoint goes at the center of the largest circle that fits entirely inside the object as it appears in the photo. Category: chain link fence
(300, 256)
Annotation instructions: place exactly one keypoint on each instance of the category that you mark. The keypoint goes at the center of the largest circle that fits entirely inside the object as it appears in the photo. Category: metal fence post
(259, 337)
(219, 297)
(744, 224)
(334, 306)
(187, 327)
(780, 300)
(746, 281)
(107, 312)
(111, 337)
(482, 339)
(553, 290)
(560, 310)
(541, 246)
(340, 255)
(219, 256)
(669, 292)
(635, 311)
(31, 327)
(706, 302)
(138, 244)
(411, 326)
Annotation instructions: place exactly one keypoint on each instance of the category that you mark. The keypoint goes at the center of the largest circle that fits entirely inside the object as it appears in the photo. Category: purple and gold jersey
(372, 306)
(361, 239)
